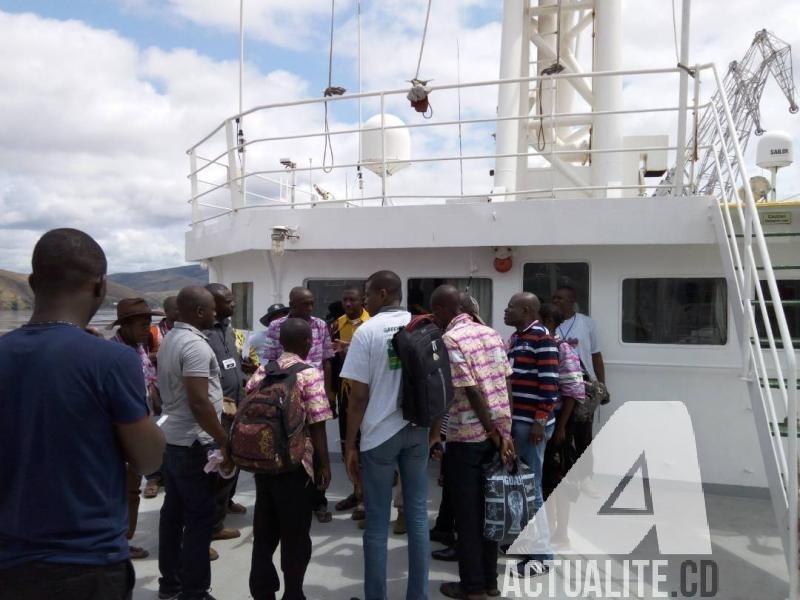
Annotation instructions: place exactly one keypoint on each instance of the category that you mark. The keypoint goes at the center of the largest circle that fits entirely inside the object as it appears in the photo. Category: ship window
(421, 288)
(789, 289)
(675, 311)
(329, 291)
(543, 279)
(243, 311)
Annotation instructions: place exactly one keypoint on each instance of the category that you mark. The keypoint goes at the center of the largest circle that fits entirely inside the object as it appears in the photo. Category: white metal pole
(509, 134)
(683, 98)
(774, 193)
(360, 118)
(240, 119)
(607, 91)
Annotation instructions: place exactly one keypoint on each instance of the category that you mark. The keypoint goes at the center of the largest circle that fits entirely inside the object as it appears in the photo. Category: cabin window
(543, 279)
(243, 311)
(675, 311)
(329, 291)
(789, 289)
(421, 288)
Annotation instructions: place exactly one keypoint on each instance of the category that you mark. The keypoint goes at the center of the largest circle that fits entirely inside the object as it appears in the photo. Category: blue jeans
(187, 518)
(533, 456)
(406, 451)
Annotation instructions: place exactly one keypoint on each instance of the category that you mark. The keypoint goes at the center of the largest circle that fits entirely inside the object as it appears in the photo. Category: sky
(101, 98)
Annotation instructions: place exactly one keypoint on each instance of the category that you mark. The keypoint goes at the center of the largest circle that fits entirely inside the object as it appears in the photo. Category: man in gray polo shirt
(191, 394)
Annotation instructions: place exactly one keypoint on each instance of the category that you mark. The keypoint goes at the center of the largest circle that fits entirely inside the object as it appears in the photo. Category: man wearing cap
(134, 316)
(257, 342)
(222, 339)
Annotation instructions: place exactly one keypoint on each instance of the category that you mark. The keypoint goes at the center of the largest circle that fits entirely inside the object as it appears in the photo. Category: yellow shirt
(345, 328)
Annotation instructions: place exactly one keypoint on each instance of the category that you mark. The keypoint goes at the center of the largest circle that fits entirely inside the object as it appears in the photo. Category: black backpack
(427, 385)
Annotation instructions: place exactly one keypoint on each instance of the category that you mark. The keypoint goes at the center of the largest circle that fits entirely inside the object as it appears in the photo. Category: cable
(331, 90)
(675, 33)
(424, 35)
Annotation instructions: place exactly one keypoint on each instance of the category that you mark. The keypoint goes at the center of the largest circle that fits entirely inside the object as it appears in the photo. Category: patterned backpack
(269, 432)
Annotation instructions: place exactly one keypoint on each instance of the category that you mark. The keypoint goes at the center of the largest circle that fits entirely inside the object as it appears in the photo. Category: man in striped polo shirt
(533, 354)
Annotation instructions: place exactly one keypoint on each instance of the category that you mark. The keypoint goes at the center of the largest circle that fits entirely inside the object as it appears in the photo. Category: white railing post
(383, 150)
(234, 181)
(680, 159)
(193, 184)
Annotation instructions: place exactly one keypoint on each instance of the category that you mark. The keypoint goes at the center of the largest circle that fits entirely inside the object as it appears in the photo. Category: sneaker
(151, 488)
(236, 509)
(531, 567)
(226, 533)
(400, 523)
(212, 555)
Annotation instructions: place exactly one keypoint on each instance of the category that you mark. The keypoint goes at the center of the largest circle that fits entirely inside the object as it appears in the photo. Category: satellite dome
(775, 150)
(397, 144)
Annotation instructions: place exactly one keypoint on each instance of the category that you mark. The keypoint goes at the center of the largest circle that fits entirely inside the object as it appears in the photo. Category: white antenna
(241, 53)
(458, 80)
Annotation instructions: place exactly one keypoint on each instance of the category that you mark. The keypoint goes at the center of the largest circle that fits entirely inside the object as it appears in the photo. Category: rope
(675, 34)
(424, 35)
(553, 69)
(331, 90)
(418, 94)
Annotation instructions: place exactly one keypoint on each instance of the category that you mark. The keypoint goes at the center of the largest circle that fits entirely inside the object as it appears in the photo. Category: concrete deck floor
(745, 540)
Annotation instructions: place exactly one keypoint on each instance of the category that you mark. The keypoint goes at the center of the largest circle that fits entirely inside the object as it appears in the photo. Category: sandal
(151, 488)
(137, 553)
(347, 503)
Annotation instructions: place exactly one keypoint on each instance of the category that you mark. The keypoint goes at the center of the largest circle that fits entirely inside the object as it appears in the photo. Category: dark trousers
(582, 435)
(187, 518)
(223, 497)
(282, 515)
(477, 556)
(445, 520)
(47, 581)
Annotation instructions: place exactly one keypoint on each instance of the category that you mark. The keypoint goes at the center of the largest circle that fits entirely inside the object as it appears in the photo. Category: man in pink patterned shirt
(284, 502)
(479, 426)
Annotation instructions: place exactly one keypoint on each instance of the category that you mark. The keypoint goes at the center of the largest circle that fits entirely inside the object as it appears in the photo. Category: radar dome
(775, 150)
(397, 144)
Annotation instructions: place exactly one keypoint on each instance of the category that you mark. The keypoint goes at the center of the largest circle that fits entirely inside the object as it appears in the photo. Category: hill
(163, 281)
(16, 294)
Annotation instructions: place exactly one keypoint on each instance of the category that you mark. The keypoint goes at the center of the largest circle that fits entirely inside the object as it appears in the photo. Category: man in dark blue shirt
(72, 413)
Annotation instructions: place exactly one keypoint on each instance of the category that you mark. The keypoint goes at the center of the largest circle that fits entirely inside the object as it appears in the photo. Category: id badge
(229, 363)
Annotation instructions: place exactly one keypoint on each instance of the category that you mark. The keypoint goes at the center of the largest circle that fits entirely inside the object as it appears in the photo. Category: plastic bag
(509, 491)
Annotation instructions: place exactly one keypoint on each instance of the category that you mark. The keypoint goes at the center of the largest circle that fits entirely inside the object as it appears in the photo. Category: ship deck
(746, 548)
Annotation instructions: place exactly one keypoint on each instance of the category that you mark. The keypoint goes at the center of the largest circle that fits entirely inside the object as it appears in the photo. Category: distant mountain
(162, 281)
(15, 294)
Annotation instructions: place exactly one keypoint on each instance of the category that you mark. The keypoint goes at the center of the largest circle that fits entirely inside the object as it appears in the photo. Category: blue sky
(101, 98)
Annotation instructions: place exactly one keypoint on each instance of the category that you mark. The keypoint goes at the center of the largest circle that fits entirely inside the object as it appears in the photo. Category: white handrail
(754, 230)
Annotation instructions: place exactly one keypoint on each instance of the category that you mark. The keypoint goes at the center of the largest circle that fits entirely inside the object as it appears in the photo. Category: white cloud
(88, 141)
(93, 128)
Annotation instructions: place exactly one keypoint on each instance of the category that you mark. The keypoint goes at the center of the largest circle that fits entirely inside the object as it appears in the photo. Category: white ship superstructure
(657, 228)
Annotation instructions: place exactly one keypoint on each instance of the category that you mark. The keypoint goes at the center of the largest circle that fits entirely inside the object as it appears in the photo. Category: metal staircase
(769, 365)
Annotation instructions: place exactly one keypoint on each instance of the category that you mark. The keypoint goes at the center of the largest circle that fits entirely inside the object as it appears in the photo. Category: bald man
(479, 427)
(191, 393)
(534, 396)
(301, 306)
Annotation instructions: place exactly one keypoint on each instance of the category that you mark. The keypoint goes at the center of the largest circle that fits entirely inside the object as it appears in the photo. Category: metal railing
(739, 220)
(228, 152)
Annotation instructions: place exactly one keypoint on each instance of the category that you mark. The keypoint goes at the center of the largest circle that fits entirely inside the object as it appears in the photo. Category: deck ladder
(769, 363)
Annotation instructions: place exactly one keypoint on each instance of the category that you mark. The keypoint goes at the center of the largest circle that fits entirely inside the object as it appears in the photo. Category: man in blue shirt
(72, 413)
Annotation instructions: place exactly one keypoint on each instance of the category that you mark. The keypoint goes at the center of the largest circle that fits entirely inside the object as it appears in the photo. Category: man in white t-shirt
(388, 442)
(580, 331)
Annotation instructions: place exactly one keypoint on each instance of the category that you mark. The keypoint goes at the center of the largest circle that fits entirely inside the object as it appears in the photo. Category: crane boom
(744, 85)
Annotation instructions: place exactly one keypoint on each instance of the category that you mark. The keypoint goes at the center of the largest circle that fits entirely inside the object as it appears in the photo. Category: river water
(11, 319)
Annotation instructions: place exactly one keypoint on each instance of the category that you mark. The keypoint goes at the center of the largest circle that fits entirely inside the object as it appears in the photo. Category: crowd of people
(86, 419)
